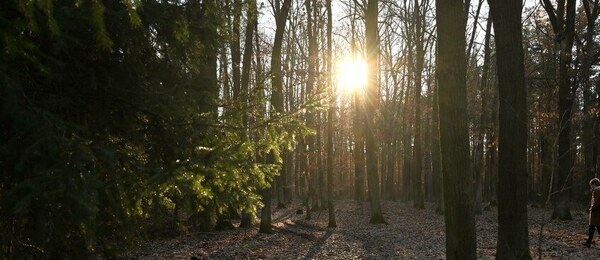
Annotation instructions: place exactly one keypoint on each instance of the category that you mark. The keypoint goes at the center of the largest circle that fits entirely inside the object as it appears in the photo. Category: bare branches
(551, 13)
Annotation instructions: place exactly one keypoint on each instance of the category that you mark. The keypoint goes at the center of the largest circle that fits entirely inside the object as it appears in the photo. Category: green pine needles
(113, 129)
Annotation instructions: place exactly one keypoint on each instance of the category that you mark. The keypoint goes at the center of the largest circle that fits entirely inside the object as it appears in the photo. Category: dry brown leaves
(411, 233)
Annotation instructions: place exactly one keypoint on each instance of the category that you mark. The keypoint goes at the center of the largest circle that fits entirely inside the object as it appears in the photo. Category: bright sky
(350, 74)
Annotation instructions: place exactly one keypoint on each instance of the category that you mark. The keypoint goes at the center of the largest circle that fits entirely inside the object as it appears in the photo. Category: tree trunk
(406, 128)
(208, 64)
(435, 154)
(371, 100)
(513, 232)
(473, 31)
(252, 15)
(276, 101)
(563, 25)
(454, 139)
(265, 214)
(390, 182)
(359, 152)
(320, 187)
(480, 149)
(313, 166)
(419, 200)
(546, 168)
(331, 113)
(590, 57)
(407, 125)
(236, 55)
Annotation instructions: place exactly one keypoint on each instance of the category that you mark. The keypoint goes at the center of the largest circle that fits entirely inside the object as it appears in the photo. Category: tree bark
(331, 113)
(563, 25)
(590, 57)
(479, 154)
(252, 16)
(513, 232)
(454, 139)
(419, 200)
(358, 135)
(276, 101)
(208, 64)
(371, 100)
(236, 55)
(358, 151)
(436, 165)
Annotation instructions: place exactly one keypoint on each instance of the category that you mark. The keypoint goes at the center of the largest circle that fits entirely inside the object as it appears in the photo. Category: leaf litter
(411, 233)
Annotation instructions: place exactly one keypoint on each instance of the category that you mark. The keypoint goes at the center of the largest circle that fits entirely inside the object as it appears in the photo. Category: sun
(351, 74)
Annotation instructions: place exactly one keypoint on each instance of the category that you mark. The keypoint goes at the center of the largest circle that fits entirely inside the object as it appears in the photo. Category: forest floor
(410, 233)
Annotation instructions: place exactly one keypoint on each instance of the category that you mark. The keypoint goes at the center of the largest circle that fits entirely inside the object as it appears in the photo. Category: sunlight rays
(351, 74)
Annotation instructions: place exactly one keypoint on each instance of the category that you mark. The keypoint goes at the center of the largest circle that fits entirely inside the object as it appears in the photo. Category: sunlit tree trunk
(454, 139)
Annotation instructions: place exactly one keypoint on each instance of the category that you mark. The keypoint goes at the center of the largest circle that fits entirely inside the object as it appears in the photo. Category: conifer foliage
(111, 127)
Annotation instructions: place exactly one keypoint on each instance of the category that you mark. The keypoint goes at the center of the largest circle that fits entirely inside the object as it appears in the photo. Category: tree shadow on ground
(372, 245)
(318, 245)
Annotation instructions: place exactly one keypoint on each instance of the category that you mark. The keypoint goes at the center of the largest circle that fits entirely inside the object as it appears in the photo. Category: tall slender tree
(281, 14)
(236, 55)
(479, 158)
(330, 119)
(312, 165)
(358, 133)
(252, 20)
(419, 39)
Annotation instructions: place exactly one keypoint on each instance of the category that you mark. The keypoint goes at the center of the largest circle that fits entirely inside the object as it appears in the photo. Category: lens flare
(351, 74)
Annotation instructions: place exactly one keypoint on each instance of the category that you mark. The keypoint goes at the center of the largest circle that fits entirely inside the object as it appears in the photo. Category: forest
(126, 122)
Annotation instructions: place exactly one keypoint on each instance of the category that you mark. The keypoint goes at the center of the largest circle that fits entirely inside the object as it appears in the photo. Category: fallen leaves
(411, 233)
